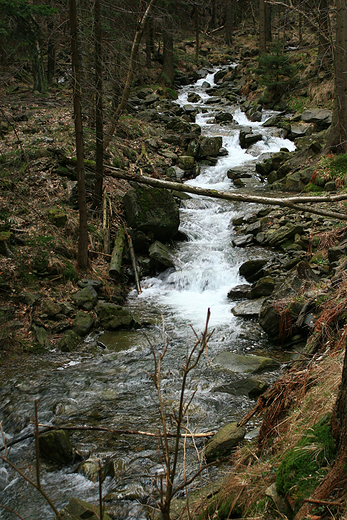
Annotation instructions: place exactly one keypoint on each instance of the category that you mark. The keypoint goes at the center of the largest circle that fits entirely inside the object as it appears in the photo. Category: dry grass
(322, 94)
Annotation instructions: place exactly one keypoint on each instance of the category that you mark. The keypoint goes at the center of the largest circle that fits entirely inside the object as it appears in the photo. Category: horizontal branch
(47, 428)
(289, 202)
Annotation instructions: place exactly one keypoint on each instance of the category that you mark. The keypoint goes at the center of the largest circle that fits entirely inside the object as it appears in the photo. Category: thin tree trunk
(338, 130)
(127, 87)
(197, 32)
(98, 108)
(82, 255)
(167, 74)
(229, 21)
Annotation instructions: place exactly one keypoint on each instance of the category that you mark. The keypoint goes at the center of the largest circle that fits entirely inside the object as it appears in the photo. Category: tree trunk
(40, 79)
(324, 40)
(51, 53)
(290, 202)
(338, 131)
(229, 21)
(262, 27)
(268, 22)
(82, 255)
(167, 74)
(197, 32)
(97, 196)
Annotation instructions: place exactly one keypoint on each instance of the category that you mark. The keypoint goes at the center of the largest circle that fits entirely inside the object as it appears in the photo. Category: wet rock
(237, 174)
(252, 269)
(247, 386)
(193, 97)
(239, 292)
(78, 509)
(179, 125)
(83, 323)
(153, 211)
(224, 117)
(248, 309)
(161, 254)
(210, 146)
(300, 130)
(114, 316)
(69, 341)
(86, 298)
(56, 446)
(223, 442)
(129, 492)
(242, 241)
(240, 364)
(247, 138)
(263, 287)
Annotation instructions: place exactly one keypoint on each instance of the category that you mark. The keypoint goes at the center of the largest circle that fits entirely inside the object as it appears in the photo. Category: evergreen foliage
(276, 71)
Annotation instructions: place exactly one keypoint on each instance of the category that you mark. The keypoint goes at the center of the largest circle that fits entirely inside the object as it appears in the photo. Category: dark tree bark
(197, 32)
(262, 27)
(51, 53)
(230, 9)
(98, 107)
(324, 37)
(82, 255)
(338, 133)
(268, 23)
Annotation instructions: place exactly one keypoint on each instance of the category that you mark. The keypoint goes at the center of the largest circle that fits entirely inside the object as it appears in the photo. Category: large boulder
(153, 211)
(161, 254)
(248, 309)
(86, 298)
(321, 117)
(247, 137)
(114, 316)
(223, 442)
(210, 146)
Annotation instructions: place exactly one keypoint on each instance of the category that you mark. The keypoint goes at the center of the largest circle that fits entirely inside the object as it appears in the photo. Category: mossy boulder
(114, 316)
(56, 446)
(223, 442)
(83, 323)
(86, 298)
(161, 254)
(210, 146)
(57, 217)
(69, 341)
(153, 211)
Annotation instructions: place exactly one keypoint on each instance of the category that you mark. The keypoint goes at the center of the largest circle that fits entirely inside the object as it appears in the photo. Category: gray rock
(223, 442)
(153, 211)
(252, 269)
(247, 138)
(193, 148)
(248, 309)
(263, 287)
(114, 316)
(224, 117)
(284, 234)
(161, 254)
(41, 336)
(175, 173)
(78, 509)
(186, 162)
(240, 364)
(56, 446)
(321, 117)
(83, 323)
(96, 284)
(50, 307)
(210, 146)
(86, 298)
(69, 341)
(239, 292)
(243, 240)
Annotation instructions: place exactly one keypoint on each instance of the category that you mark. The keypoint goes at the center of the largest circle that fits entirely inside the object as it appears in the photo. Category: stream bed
(111, 387)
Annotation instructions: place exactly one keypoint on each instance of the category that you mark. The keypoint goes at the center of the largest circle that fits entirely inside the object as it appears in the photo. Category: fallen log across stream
(298, 203)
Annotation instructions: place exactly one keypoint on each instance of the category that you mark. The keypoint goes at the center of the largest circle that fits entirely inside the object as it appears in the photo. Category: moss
(311, 187)
(304, 465)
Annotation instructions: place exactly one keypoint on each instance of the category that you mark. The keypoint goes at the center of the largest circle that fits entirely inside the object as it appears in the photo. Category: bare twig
(11, 511)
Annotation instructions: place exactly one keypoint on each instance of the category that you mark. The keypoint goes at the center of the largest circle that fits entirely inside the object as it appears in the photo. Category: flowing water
(112, 387)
